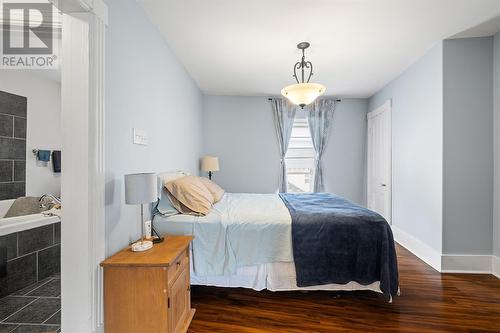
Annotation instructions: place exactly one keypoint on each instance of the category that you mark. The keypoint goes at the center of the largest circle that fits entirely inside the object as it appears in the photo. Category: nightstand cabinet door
(179, 302)
(135, 300)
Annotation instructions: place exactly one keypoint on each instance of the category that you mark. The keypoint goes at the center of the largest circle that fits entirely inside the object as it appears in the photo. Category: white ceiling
(487, 28)
(236, 47)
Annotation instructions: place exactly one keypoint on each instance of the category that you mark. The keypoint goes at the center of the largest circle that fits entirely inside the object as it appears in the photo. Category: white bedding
(245, 241)
(241, 230)
(277, 276)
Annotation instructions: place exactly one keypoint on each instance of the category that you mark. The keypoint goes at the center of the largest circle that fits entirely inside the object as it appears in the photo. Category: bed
(249, 241)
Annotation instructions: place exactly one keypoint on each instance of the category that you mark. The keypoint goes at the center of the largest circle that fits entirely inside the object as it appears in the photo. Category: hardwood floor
(429, 302)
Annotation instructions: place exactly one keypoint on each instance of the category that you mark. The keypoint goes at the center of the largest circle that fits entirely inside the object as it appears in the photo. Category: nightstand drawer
(180, 264)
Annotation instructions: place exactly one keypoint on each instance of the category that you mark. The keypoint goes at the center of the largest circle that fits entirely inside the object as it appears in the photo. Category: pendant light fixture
(303, 93)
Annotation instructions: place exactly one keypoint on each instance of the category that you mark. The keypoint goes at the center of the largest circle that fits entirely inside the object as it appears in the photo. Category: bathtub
(20, 223)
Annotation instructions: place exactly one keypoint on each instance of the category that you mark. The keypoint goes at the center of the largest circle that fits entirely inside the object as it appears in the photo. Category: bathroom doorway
(81, 192)
(30, 186)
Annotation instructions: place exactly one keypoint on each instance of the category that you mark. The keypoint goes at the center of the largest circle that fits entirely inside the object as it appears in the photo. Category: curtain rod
(336, 100)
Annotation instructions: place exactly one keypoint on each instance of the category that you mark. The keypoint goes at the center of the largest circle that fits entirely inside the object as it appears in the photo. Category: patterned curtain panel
(284, 114)
(320, 116)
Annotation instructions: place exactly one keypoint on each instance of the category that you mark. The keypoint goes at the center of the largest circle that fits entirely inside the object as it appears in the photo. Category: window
(300, 158)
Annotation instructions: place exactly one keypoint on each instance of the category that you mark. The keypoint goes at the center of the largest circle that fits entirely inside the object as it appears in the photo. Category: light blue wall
(147, 88)
(240, 131)
(468, 146)
(496, 221)
(417, 126)
(345, 156)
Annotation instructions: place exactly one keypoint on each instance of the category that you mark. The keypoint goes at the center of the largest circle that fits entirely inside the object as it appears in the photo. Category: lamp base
(142, 246)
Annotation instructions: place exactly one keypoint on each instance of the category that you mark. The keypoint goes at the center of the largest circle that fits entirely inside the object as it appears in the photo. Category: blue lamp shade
(140, 188)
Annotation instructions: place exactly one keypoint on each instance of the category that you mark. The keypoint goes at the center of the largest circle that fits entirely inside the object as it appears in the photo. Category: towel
(43, 155)
(27, 206)
(56, 160)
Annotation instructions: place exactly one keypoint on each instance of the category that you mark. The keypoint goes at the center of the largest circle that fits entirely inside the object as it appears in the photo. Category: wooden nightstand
(149, 291)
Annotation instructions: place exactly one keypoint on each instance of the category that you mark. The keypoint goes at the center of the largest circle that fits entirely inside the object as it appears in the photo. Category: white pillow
(165, 207)
(166, 177)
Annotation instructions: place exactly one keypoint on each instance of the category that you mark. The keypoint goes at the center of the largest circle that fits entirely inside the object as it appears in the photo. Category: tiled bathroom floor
(34, 309)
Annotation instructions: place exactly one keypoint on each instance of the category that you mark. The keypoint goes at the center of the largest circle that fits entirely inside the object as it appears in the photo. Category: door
(179, 301)
(379, 180)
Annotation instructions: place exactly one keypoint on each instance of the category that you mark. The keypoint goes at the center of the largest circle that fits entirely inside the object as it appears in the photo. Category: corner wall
(444, 149)
(417, 136)
(240, 131)
(468, 146)
(147, 88)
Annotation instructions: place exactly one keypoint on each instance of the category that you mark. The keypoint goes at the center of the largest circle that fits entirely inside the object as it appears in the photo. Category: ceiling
(236, 47)
(484, 29)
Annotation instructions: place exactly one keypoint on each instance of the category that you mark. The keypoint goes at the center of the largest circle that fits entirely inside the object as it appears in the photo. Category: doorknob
(383, 185)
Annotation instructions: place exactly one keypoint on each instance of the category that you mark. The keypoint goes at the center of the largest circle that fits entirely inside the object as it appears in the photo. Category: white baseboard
(495, 263)
(418, 248)
(472, 264)
(448, 263)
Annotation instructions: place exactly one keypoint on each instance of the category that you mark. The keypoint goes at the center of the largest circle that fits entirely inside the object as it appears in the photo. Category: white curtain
(320, 117)
(284, 114)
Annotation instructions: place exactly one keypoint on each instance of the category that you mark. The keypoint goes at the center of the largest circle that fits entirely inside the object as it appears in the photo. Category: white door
(379, 180)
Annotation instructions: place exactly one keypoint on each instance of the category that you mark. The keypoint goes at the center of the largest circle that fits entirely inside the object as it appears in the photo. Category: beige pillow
(216, 190)
(189, 192)
(182, 209)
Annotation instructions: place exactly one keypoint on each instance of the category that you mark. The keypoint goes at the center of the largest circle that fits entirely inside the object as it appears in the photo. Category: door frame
(385, 107)
(82, 181)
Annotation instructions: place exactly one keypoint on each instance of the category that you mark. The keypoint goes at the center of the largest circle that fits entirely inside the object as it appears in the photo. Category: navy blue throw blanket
(336, 241)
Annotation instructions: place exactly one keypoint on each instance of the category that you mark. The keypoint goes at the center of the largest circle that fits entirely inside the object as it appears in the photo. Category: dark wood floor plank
(429, 302)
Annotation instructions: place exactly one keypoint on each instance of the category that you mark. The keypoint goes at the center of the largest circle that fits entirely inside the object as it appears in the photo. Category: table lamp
(209, 164)
(140, 189)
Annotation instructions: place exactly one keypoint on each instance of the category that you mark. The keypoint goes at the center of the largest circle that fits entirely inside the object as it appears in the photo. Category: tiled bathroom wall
(13, 113)
(32, 255)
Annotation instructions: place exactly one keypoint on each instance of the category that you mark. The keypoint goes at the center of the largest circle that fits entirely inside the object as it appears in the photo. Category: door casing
(384, 184)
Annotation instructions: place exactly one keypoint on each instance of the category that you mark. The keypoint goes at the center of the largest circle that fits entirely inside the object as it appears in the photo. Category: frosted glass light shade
(209, 163)
(303, 94)
(140, 188)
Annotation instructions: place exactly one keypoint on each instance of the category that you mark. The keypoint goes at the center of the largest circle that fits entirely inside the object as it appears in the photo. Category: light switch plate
(140, 137)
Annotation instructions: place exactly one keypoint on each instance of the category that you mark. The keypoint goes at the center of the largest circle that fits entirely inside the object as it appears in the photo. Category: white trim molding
(382, 108)
(471, 264)
(73, 6)
(426, 253)
(76, 218)
(448, 263)
(495, 266)
(96, 7)
(82, 181)
(97, 241)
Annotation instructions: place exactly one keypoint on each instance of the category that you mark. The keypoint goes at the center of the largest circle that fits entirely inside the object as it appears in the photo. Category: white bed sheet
(241, 230)
(277, 276)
